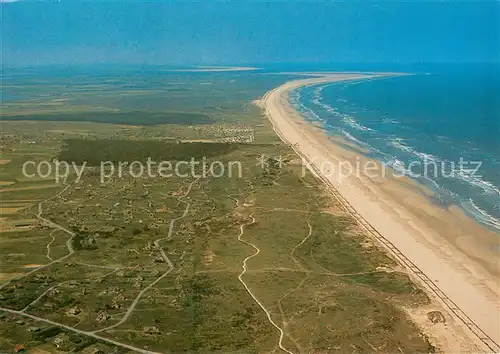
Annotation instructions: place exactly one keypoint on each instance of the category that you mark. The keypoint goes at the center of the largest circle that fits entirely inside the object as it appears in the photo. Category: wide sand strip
(456, 259)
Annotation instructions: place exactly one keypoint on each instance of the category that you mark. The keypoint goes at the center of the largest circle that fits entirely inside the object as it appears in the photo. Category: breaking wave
(399, 143)
(398, 147)
(355, 140)
(346, 118)
(350, 121)
(480, 215)
(477, 181)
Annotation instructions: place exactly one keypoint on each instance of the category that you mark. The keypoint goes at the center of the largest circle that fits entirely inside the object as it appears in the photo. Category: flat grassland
(260, 262)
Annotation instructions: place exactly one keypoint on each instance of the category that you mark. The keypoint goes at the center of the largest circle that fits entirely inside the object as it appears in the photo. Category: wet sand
(457, 256)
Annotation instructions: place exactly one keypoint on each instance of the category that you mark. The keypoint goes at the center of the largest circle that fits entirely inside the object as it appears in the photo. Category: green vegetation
(95, 151)
(131, 118)
(159, 265)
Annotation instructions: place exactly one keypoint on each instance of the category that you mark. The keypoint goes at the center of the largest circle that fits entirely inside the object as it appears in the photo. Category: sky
(248, 32)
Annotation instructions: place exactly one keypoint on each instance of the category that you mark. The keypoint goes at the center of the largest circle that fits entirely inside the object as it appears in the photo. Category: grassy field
(129, 118)
(230, 264)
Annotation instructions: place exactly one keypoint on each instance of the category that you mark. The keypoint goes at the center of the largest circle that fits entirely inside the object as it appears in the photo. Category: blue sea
(446, 121)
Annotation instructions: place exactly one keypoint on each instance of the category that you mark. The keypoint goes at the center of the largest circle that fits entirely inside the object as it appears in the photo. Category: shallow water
(442, 127)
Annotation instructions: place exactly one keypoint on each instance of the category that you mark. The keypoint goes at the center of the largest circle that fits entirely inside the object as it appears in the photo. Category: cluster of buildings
(227, 133)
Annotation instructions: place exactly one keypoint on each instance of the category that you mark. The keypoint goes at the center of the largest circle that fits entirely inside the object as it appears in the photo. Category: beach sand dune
(448, 253)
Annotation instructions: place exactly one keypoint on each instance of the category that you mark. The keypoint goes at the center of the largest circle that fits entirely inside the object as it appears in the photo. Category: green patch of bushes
(128, 118)
(96, 151)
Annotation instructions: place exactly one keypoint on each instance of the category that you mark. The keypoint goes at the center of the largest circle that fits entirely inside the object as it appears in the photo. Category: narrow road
(43, 294)
(163, 254)
(295, 260)
(69, 243)
(59, 284)
(432, 286)
(71, 251)
(85, 333)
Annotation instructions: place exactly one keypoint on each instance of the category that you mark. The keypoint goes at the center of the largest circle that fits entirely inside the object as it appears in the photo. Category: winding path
(163, 254)
(69, 242)
(61, 325)
(240, 278)
(69, 245)
(85, 333)
(275, 111)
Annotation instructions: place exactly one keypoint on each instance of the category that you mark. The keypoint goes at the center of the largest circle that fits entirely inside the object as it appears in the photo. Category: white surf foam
(350, 121)
(397, 165)
(400, 144)
(346, 118)
(480, 214)
(476, 180)
(390, 121)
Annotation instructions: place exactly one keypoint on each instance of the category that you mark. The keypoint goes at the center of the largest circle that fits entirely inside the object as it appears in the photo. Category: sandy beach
(444, 250)
(199, 69)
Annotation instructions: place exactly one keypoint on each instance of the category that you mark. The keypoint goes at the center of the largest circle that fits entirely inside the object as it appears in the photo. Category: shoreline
(203, 69)
(435, 245)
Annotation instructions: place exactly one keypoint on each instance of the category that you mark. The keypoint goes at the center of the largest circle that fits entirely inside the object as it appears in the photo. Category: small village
(225, 133)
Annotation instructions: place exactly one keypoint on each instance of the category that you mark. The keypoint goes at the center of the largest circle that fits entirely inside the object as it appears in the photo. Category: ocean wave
(328, 108)
(319, 89)
(353, 139)
(390, 121)
(400, 167)
(463, 174)
(480, 214)
(437, 187)
(397, 165)
(472, 178)
(443, 139)
(374, 152)
(426, 156)
(350, 121)
(400, 144)
(310, 113)
(346, 118)
(317, 97)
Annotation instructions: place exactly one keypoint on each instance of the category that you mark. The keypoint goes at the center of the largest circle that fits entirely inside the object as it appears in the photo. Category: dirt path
(456, 291)
(240, 278)
(69, 243)
(138, 298)
(93, 334)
